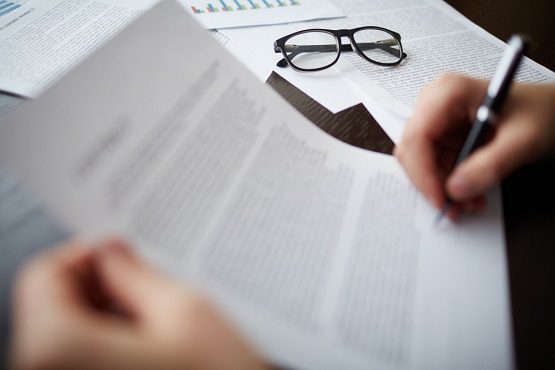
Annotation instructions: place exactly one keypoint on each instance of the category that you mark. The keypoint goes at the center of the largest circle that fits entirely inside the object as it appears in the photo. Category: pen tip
(438, 218)
(442, 213)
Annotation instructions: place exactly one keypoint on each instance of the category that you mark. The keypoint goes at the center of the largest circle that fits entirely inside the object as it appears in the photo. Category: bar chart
(240, 5)
(6, 7)
(213, 14)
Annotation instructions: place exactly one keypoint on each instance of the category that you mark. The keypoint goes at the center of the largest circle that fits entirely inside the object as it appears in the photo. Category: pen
(491, 106)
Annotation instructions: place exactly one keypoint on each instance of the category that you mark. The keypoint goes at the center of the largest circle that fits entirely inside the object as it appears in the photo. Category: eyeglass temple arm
(295, 50)
(385, 45)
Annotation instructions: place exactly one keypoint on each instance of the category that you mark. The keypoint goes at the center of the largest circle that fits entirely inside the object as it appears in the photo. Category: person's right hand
(78, 307)
(435, 133)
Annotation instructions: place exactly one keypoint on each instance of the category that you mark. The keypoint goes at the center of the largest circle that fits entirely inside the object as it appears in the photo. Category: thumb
(490, 164)
(133, 287)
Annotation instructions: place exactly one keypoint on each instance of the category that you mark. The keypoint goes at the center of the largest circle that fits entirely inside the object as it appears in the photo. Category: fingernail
(459, 186)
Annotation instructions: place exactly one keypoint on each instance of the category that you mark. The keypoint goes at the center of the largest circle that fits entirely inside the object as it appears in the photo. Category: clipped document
(323, 254)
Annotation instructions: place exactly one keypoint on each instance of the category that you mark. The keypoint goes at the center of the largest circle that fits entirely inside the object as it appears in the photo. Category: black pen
(486, 116)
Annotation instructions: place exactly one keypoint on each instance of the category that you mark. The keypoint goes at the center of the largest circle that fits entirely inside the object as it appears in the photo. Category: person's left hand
(76, 307)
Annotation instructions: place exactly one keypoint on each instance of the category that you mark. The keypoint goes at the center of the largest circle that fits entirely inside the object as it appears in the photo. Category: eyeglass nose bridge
(350, 46)
(340, 34)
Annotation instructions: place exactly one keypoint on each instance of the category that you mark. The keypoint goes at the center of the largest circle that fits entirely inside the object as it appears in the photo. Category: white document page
(324, 255)
(43, 39)
(8, 103)
(437, 39)
(241, 13)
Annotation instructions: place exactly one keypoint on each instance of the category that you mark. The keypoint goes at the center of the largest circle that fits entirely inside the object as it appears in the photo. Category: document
(241, 13)
(42, 39)
(322, 254)
(437, 39)
(7, 104)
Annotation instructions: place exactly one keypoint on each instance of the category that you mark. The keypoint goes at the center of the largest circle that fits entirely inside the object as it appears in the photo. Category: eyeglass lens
(312, 50)
(378, 46)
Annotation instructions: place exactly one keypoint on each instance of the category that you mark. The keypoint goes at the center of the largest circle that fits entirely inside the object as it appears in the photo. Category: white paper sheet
(45, 38)
(437, 39)
(241, 13)
(323, 254)
(8, 103)
(42, 40)
(327, 87)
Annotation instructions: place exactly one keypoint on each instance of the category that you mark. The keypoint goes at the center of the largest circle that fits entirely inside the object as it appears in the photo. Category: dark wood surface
(505, 17)
(528, 194)
(354, 125)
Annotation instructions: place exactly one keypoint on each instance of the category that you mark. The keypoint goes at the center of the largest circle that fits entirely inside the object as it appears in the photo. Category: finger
(417, 150)
(422, 169)
(488, 165)
(474, 205)
(47, 298)
(136, 288)
(51, 276)
(441, 110)
(454, 212)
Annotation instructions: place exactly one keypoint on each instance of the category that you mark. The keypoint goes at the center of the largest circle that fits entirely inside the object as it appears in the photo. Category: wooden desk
(528, 194)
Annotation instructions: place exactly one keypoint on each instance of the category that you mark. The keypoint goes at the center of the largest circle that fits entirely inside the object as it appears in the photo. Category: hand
(440, 123)
(81, 308)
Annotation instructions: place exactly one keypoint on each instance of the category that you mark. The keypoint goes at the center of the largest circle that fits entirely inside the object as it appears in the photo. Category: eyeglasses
(317, 49)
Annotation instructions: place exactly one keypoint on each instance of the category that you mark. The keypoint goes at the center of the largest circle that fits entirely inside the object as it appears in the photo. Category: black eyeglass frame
(279, 47)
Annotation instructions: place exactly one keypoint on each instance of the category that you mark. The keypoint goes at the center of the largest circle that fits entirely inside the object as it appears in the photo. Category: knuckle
(448, 77)
(450, 80)
(453, 84)
(444, 90)
(487, 170)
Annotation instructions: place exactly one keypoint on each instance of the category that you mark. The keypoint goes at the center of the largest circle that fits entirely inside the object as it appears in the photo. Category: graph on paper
(236, 5)
(238, 13)
(8, 7)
